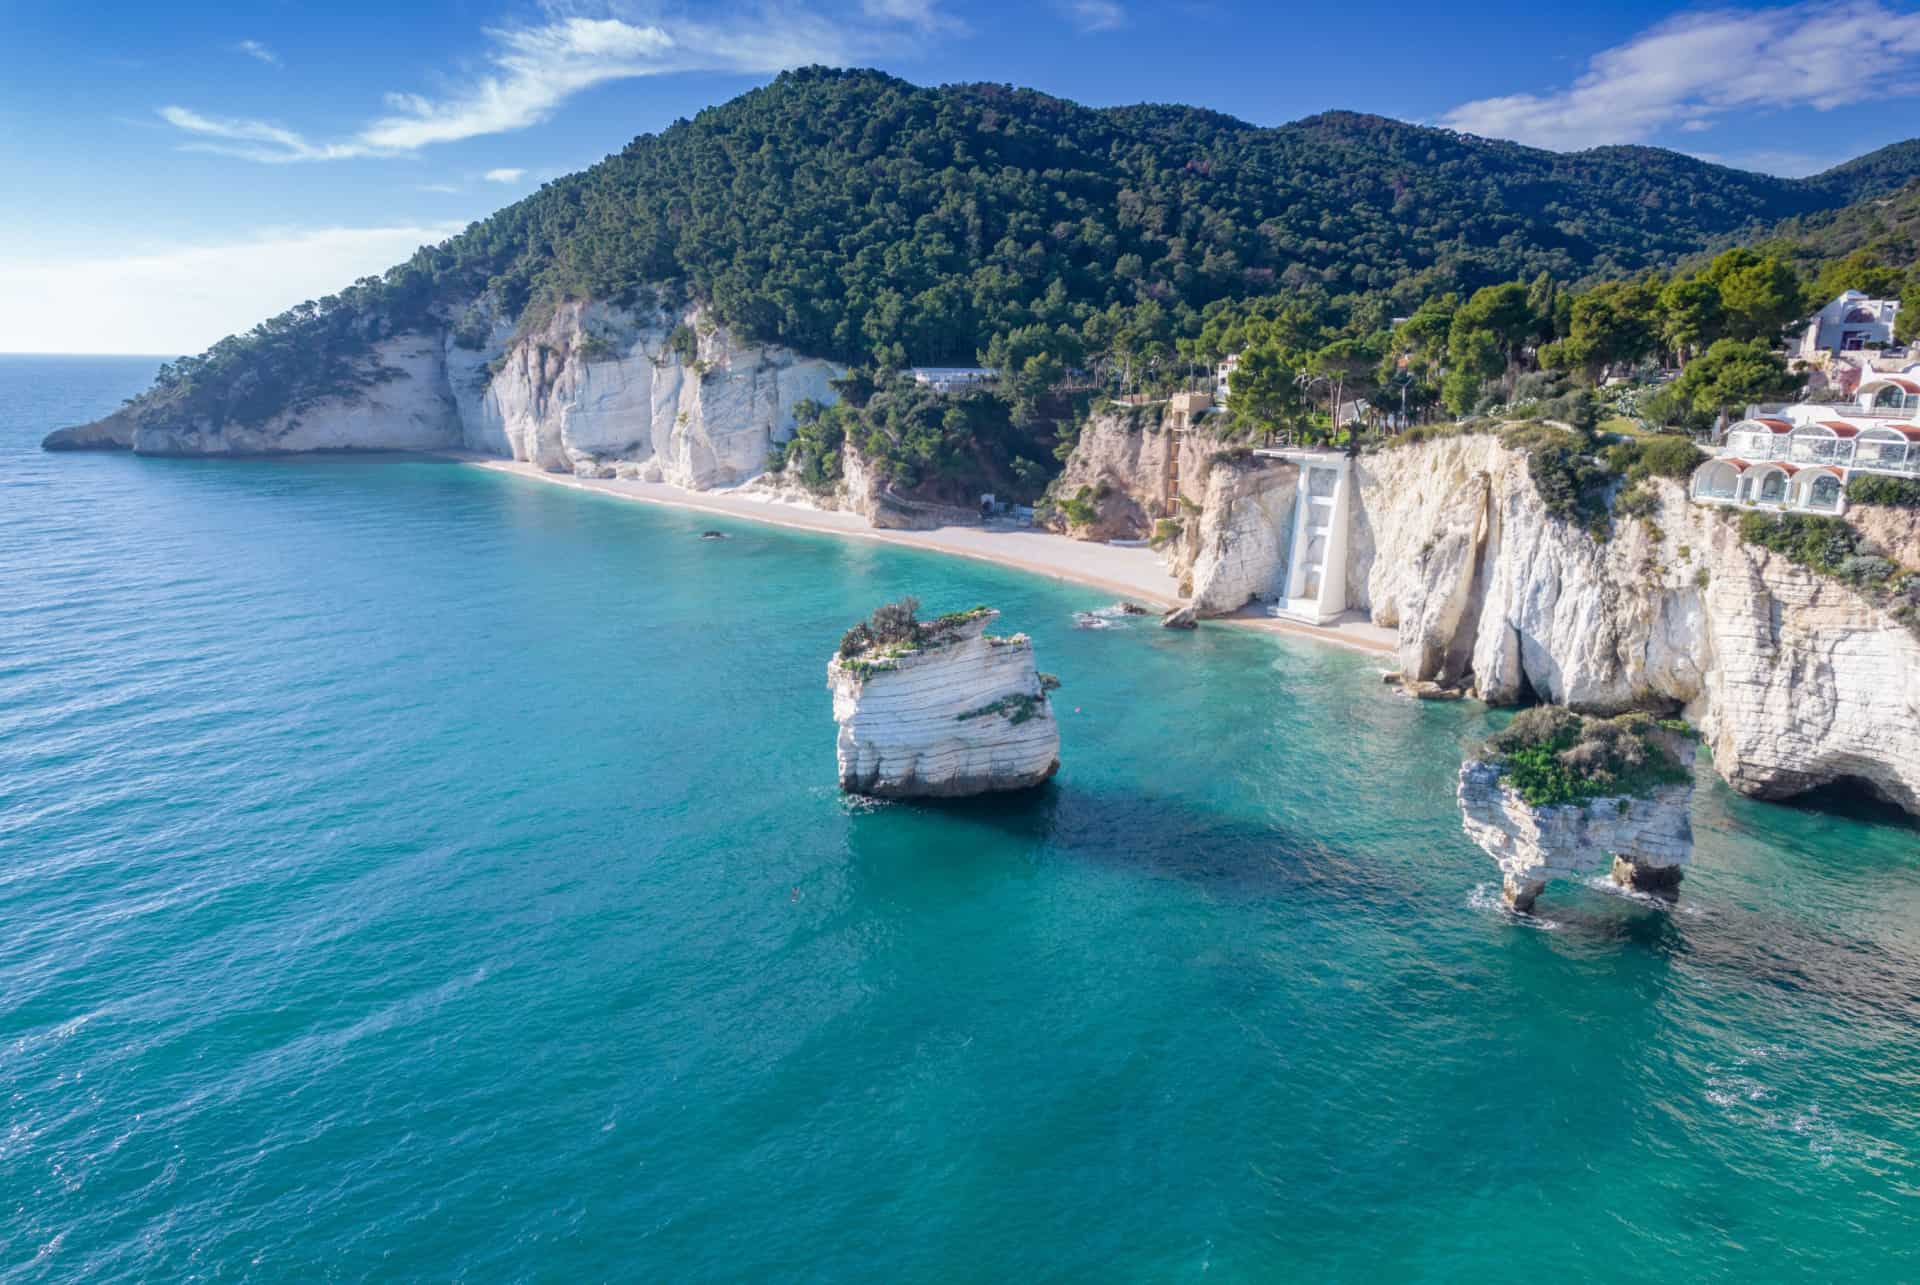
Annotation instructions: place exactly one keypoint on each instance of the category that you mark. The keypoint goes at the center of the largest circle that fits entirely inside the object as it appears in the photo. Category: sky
(176, 173)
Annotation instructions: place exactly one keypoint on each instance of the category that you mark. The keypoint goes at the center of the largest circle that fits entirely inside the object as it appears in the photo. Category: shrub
(1833, 548)
(1568, 482)
(1635, 502)
(1894, 492)
(1820, 543)
(684, 344)
(1079, 508)
(1665, 455)
(896, 626)
(1551, 756)
(1538, 384)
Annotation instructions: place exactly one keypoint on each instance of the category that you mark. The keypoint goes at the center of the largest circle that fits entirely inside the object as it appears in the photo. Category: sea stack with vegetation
(1558, 796)
(940, 708)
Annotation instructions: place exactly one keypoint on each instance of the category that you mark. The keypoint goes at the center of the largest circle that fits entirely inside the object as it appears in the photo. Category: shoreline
(1133, 572)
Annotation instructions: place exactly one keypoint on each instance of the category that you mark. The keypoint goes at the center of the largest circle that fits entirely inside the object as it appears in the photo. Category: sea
(411, 871)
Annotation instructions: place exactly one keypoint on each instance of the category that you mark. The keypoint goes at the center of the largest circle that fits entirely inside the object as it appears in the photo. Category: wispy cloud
(1686, 71)
(252, 140)
(175, 299)
(503, 175)
(254, 49)
(531, 70)
(1096, 15)
(444, 188)
(927, 15)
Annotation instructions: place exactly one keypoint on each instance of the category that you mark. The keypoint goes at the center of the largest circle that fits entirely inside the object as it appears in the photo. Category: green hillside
(855, 216)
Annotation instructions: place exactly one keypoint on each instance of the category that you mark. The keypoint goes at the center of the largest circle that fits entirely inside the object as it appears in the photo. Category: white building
(1801, 457)
(951, 379)
(1223, 378)
(1851, 323)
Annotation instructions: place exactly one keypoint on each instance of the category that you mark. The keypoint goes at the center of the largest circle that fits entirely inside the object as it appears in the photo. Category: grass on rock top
(1551, 756)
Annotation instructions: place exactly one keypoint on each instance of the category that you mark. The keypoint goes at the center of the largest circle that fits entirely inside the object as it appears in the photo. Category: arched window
(1717, 481)
(1773, 487)
(1825, 493)
(1880, 448)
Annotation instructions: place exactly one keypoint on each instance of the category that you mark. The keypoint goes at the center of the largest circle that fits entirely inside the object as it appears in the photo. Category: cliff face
(1234, 514)
(1237, 549)
(1642, 843)
(962, 715)
(403, 404)
(1122, 460)
(1797, 681)
(602, 392)
(597, 391)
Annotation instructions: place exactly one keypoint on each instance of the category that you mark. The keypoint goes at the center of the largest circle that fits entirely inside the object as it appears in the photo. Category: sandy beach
(1132, 572)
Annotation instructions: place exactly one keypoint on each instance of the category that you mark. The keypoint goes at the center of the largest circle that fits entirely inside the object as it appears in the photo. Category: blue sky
(178, 172)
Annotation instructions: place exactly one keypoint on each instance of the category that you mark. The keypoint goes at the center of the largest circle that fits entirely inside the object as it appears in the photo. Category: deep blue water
(412, 871)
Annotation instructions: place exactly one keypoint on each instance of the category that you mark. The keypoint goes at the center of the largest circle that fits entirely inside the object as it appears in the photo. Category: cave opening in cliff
(1855, 798)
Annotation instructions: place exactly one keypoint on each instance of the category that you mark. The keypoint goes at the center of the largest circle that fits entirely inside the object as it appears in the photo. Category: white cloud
(184, 298)
(438, 187)
(503, 175)
(251, 139)
(254, 49)
(1686, 70)
(924, 14)
(1097, 15)
(532, 70)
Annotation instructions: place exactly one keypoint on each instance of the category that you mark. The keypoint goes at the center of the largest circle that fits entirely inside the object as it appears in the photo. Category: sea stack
(940, 708)
(1556, 796)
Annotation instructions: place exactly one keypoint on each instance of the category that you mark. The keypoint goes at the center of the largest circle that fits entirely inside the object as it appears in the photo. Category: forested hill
(841, 212)
(1885, 229)
(853, 215)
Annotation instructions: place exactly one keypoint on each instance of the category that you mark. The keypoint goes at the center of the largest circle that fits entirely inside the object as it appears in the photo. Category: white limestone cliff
(1238, 547)
(401, 403)
(1796, 680)
(602, 392)
(962, 713)
(1642, 843)
(597, 391)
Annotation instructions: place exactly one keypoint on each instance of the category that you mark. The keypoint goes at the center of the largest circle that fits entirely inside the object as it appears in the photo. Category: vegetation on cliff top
(1550, 755)
(1832, 547)
(894, 629)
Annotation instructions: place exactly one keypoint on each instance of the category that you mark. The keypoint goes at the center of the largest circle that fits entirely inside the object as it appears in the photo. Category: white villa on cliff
(1801, 456)
(1851, 323)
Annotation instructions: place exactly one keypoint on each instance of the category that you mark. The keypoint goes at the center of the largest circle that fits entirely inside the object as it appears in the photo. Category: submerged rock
(1181, 618)
(1640, 833)
(940, 709)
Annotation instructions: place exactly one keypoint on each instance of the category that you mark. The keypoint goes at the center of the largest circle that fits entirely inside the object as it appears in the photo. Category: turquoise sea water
(412, 871)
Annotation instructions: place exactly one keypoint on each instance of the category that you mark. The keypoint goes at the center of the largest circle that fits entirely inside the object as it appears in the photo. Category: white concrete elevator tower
(1316, 584)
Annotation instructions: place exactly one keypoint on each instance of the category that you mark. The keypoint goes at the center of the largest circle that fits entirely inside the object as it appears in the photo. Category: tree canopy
(852, 215)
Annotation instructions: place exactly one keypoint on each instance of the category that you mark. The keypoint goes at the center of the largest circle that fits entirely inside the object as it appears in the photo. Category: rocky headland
(939, 708)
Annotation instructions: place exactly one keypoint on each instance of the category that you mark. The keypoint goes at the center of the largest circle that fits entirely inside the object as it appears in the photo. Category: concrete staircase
(1315, 589)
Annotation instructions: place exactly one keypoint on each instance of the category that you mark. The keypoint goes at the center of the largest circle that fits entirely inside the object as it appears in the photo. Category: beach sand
(1135, 573)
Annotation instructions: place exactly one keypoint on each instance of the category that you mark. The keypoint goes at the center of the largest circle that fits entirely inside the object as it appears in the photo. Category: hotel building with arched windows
(1800, 457)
